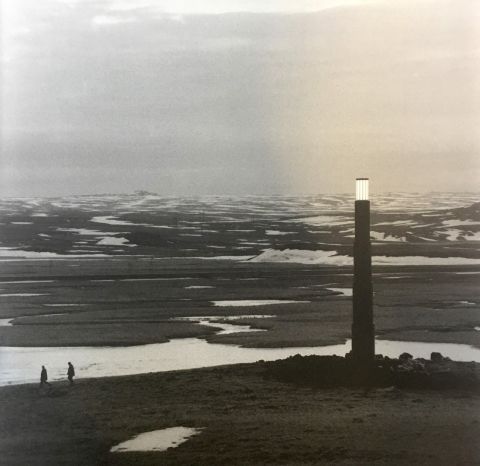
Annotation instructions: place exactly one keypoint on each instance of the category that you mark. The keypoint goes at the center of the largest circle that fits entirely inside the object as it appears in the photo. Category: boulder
(405, 357)
(436, 357)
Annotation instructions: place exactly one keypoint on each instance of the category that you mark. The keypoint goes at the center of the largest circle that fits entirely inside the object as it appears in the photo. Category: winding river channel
(22, 364)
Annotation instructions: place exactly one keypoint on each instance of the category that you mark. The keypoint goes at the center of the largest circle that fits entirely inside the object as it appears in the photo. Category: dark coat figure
(70, 372)
(43, 377)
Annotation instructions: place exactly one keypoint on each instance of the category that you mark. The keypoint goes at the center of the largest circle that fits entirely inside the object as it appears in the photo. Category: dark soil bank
(335, 371)
(249, 418)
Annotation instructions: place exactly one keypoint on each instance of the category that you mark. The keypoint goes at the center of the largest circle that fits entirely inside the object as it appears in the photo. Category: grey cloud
(243, 103)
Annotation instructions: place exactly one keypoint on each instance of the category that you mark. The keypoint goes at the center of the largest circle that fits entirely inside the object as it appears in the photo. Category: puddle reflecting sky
(157, 440)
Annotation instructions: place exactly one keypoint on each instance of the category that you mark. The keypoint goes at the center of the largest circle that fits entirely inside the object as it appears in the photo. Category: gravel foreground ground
(247, 420)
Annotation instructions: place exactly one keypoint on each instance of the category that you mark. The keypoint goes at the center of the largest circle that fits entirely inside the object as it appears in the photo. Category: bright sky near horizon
(277, 96)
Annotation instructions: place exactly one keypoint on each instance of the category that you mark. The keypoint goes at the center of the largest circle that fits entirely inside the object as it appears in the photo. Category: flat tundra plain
(115, 271)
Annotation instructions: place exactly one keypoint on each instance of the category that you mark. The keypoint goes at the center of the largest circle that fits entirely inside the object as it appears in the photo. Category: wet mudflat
(246, 419)
(129, 301)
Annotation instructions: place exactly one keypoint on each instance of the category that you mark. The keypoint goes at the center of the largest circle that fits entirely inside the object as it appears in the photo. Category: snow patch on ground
(380, 236)
(64, 305)
(278, 233)
(456, 223)
(454, 234)
(302, 257)
(114, 241)
(396, 277)
(227, 318)
(331, 258)
(424, 239)
(198, 287)
(471, 236)
(423, 260)
(87, 232)
(344, 291)
(254, 302)
(25, 281)
(18, 253)
(397, 222)
(226, 258)
(111, 220)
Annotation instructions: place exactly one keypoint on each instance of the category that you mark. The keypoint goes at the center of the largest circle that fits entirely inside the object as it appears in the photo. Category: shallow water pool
(157, 440)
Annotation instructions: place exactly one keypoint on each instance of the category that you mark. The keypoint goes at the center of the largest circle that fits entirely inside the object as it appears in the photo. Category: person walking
(70, 373)
(44, 377)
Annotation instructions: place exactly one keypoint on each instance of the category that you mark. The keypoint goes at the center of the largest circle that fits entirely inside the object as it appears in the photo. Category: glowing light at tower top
(361, 193)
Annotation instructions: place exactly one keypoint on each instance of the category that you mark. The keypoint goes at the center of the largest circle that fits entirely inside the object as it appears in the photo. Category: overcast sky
(239, 96)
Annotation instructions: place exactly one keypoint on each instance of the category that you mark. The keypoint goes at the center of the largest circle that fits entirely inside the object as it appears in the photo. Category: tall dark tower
(363, 336)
